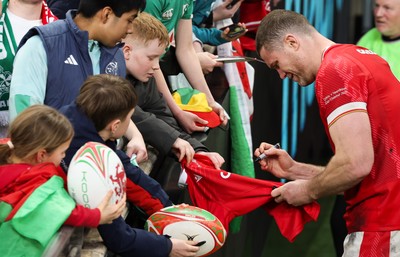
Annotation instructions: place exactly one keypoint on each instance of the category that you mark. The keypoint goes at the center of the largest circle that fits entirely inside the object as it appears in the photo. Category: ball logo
(190, 238)
(119, 180)
(84, 188)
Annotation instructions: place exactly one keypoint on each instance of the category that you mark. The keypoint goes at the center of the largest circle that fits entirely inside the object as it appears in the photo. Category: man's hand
(293, 192)
(182, 248)
(278, 161)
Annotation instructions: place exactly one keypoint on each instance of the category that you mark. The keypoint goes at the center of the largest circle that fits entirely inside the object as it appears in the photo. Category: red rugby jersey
(228, 195)
(352, 78)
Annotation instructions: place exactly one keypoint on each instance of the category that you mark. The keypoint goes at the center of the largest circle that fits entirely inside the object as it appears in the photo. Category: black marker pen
(263, 155)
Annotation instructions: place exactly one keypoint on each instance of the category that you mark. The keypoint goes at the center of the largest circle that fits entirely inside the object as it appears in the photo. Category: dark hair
(37, 127)
(104, 98)
(88, 8)
(275, 25)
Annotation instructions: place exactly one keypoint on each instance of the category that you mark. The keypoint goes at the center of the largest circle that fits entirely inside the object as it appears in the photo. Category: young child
(33, 200)
(90, 38)
(142, 51)
(101, 113)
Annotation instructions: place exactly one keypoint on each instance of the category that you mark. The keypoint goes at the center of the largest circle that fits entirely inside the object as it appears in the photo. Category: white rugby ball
(94, 170)
(191, 223)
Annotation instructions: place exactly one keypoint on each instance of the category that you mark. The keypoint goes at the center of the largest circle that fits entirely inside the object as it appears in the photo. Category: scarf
(8, 48)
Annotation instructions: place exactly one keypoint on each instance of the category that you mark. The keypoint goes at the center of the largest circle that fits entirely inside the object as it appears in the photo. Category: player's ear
(291, 41)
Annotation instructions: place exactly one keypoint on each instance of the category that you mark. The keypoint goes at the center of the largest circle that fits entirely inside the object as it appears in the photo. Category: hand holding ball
(189, 223)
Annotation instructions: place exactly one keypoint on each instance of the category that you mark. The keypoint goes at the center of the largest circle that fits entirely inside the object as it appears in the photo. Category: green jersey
(388, 50)
(169, 13)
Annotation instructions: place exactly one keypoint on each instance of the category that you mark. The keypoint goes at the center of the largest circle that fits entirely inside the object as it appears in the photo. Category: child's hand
(233, 32)
(183, 248)
(215, 158)
(109, 211)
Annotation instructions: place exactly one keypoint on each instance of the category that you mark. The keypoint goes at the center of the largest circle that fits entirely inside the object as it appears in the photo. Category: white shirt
(20, 26)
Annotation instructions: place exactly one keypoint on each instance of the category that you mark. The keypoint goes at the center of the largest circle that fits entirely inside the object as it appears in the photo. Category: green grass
(314, 241)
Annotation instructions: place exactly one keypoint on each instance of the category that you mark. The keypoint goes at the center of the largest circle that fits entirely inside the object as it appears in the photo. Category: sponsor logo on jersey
(365, 51)
(197, 178)
(167, 15)
(184, 8)
(225, 174)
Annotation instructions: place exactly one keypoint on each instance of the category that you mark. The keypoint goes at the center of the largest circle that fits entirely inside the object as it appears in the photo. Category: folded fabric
(33, 206)
(228, 195)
